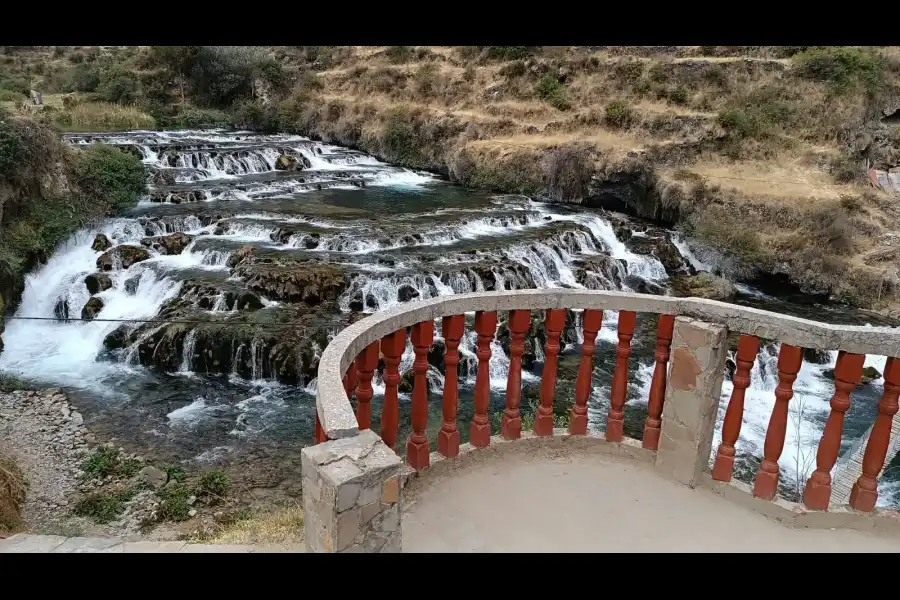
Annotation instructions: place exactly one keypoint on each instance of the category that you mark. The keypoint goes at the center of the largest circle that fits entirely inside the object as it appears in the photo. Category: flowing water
(400, 236)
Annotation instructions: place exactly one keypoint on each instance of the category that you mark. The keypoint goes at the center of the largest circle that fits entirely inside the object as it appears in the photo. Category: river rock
(248, 301)
(124, 255)
(661, 247)
(703, 285)
(601, 272)
(61, 309)
(101, 243)
(163, 177)
(117, 339)
(288, 279)
(153, 477)
(287, 162)
(816, 357)
(357, 303)
(92, 308)
(97, 282)
(869, 374)
(171, 244)
(406, 293)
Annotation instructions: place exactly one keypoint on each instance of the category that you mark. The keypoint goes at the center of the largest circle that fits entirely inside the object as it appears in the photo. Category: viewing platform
(569, 489)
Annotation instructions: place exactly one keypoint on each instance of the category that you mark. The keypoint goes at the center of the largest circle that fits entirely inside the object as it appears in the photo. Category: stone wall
(351, 495)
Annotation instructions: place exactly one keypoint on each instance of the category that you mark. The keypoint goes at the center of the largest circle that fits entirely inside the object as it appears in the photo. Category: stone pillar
(692, 399)
(351, 495)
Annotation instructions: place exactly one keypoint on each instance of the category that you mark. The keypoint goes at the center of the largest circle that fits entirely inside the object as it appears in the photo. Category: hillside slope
(757, 153)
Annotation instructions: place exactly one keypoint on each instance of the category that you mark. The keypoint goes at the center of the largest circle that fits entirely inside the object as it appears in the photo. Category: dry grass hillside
(758, 153)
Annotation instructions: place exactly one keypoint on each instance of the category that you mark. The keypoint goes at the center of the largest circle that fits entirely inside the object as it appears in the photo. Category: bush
(846, 169)
(510, 52)
(111, 176)
(214, 484)
(739, 124)
(12, 151)
(677, 95)
(101, 116)
(13, 487)
(254, 116)
(551, 91)
(629, 72)
(568, 172)
(842, 67)
(399, 54)
(426, 79)
(174, 505)
(222, 75)
(103, 507)
(514, 69)
(619, 114)
(85, 78)
(399, 137)
(118, 86)
(200, 118)
(21, 85)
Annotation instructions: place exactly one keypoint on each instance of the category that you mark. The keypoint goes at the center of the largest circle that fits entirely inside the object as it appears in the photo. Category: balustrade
(357, 383)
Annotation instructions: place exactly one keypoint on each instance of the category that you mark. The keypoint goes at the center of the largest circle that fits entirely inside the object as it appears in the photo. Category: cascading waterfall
(399, 235)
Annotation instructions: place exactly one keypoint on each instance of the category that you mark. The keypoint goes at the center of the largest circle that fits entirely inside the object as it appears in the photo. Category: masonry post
(351, 495)
(692, 399)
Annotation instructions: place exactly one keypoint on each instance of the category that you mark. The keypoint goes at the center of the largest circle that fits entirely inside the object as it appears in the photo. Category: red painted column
(452, 329)
(748, 346)
(350, 380)
(480, 429)
(511, 426)
(417, 445)
(366, 363)
(619, 390)
(658, 386)
(392, 346)
(789, 360)
(555, 321)
(847, 373)
(591, 320)
(320, 433)
(865, 491)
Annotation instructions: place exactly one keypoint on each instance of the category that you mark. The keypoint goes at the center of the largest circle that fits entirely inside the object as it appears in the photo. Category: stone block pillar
(692, 399)
(351, 495)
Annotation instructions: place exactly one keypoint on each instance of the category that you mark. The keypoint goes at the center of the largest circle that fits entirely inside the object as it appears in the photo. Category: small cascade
(187, 352)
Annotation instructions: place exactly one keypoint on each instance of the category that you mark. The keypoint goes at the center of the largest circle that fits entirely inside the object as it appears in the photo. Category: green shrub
(846, 169)
(85, 78)
(174, 472)
(739, 124)
(21, 85)
(254, 116)
(201, 118)
(629, 72)
(842, 67)
(101, 463)
(551, 91)
(510, 52)
(399, 54)
(110, 175)
(619, 114)
(174, 505)
(426, 78)
(214, 484)
(103, 507)
(12, 151)
(514, 69)
(399, 137)
(118, 86)
(677, 95)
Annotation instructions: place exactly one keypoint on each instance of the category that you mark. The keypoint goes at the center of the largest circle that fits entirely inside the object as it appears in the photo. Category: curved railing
(692, 331)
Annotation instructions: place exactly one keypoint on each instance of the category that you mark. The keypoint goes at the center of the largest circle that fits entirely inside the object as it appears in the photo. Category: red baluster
(511, 426)
(591, 322)
(366, 363)
(555, 321)
(480, 429)
(392, 346)
(789, 360)
(452, 329)
(658, 386)
(865, 491)
(748, 346)
(847, 373)
(417, 445)
(320, 433)
(350, 380)
(615, 421)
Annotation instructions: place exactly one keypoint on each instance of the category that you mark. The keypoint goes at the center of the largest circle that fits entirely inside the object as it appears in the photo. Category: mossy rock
(703, 285)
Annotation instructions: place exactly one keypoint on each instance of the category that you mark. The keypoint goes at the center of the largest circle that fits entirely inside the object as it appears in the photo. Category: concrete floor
(518, 503)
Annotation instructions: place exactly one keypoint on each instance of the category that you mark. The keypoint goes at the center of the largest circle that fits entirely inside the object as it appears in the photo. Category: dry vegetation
(12, 494)
(758, 152)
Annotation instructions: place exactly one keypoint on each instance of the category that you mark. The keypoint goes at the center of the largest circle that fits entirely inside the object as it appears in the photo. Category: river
(394, 235)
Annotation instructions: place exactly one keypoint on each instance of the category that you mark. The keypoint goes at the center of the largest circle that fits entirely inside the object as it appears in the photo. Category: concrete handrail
(339, 421)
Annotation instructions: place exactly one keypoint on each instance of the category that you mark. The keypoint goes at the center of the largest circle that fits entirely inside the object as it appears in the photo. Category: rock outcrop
(92, 308)
(703, 285)
(101, 243)
(123, 256)
(173, 243)
(97, 282)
